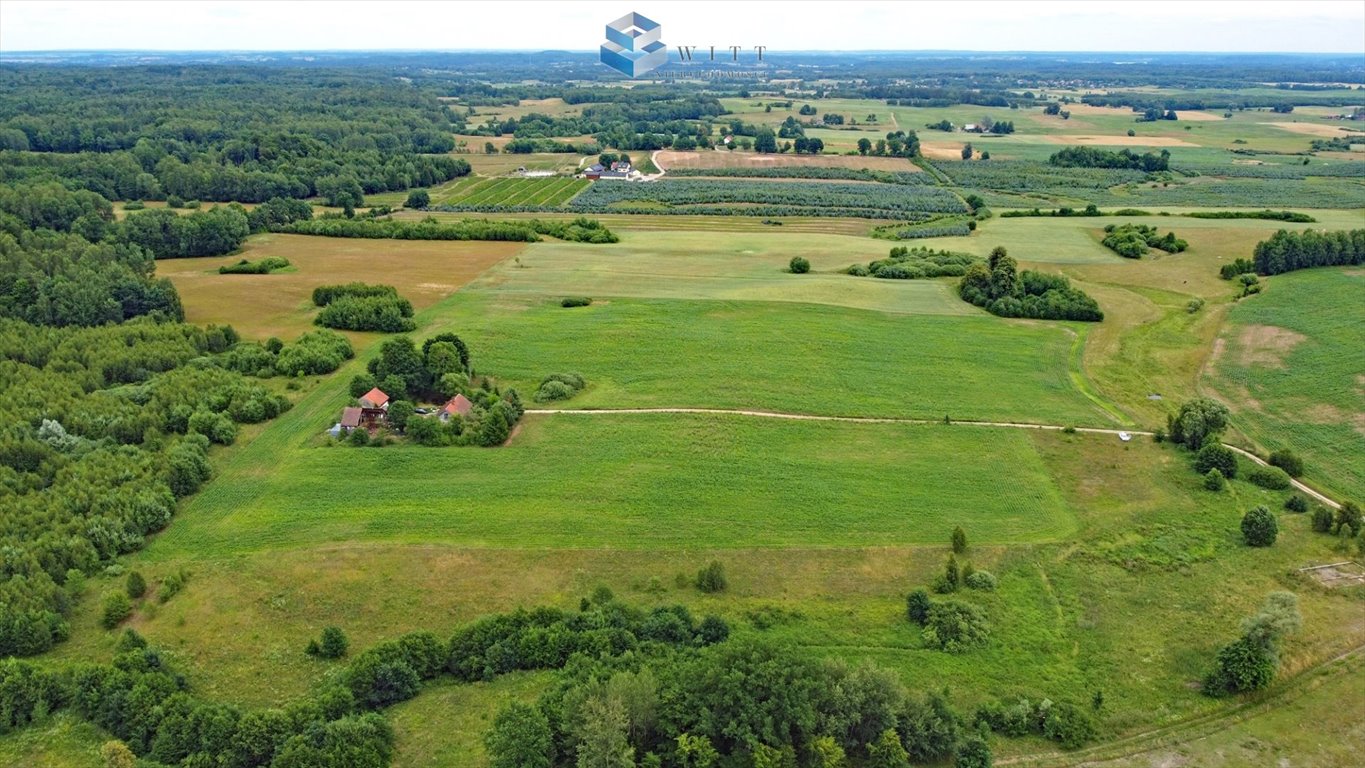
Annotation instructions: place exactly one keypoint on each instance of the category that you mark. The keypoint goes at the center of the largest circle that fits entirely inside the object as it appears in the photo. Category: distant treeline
(239, 133)
(1287, 251)
(579, 230)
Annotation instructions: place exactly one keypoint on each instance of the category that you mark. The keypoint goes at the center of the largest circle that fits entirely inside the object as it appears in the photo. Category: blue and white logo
(633, 47)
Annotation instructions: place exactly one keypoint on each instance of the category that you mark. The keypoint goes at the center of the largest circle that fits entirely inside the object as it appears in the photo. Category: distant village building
(458, 405)
(619, 170)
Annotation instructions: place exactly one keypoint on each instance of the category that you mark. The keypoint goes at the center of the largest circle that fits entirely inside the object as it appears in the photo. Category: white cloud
(1051, 25)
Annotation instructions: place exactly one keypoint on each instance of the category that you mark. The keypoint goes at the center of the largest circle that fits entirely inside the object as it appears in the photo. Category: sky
(1301, 26)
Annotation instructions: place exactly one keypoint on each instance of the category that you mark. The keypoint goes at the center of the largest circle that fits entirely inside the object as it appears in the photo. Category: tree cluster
(1092, 157)
(1131, 241)
(742, 703)
(904, 263)
(1001, 289)
(361, 307)
(1287, 251)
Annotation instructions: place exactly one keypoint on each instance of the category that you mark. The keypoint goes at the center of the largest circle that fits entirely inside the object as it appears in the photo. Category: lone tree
(1348, 517)
(1259, 527)
(959, 540)
(917, 606)
(799, 265)
(418, 199)
(1215, 456)
(1249, 663)
(136, 586)
(1200, 420)
(967, 151)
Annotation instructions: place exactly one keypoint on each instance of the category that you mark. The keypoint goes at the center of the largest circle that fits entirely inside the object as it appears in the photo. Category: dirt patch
(1266, 345)
(713, 159)
(1200, 117)
(1330, 414)
(1117, 141)
(1311, 129)
(1336, 575)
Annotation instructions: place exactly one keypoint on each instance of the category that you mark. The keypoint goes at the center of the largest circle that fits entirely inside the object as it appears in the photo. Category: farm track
(1317, 495)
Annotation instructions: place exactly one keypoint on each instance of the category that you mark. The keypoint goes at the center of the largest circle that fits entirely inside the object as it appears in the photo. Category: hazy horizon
(1329, 27)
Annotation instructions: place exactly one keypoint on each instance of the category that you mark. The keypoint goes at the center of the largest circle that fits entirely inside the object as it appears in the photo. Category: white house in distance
(619, 170)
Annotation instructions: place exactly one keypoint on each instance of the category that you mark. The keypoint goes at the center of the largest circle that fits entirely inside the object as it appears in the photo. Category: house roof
(458, 404)
(350, 417)
(595, 167)
(375, 398)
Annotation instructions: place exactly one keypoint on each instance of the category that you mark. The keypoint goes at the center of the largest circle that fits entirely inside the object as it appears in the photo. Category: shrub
(575, 301)
(1296, 503)
(1272, 478)
(333, 644)
(799, 265)
(520, 738)
(711, 579)
(917, 605)
(1068, 725)
(558, 386)
(1215, 456)
(1259, 527)
(172, 584)
(955, 627)
(973, 752)
(1322, 520)
(1288, 461)
(1214, 480)
(136, 586)
(981, 580)
(117, 607)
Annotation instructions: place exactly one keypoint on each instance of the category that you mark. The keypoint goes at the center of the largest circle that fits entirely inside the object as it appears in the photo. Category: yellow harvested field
(942, 150)
(725, 159)
(1125, 141)
(1195, 116)
(280, 304)
(1087, 110)
(1326, 130)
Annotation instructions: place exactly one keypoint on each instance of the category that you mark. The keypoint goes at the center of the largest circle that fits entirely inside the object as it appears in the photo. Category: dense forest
(111, 400)
(222, 133)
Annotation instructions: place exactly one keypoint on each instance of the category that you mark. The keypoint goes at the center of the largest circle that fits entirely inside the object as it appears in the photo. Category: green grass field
(777, 356)
(642, 482)
(1290, 363)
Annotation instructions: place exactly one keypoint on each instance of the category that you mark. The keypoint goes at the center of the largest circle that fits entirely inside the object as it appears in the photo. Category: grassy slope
(1308, 396)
